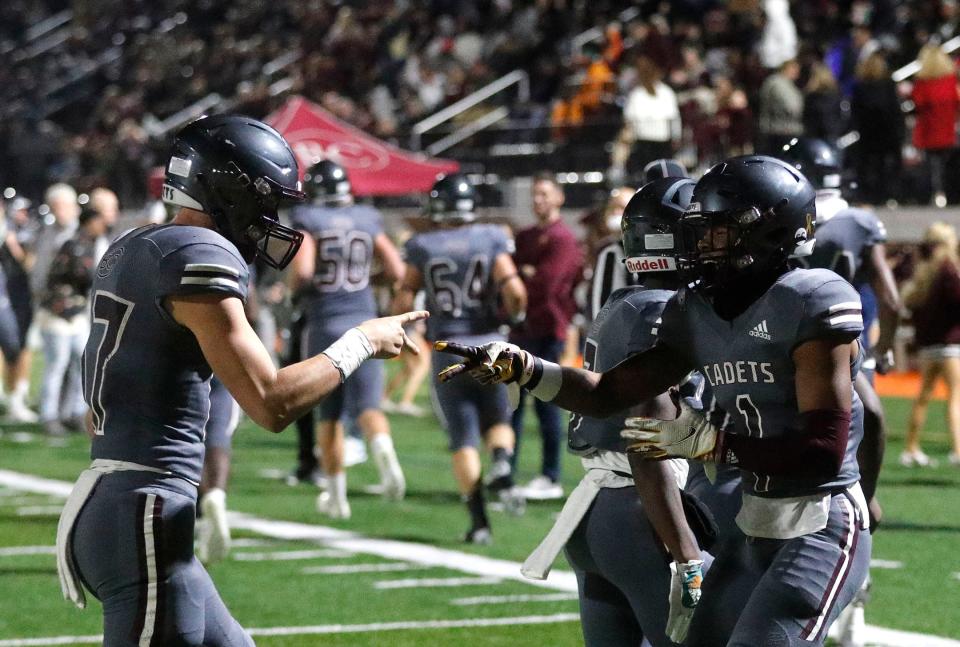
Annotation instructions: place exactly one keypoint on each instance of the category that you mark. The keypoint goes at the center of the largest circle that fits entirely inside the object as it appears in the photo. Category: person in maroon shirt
(934, 299)
(550, 261)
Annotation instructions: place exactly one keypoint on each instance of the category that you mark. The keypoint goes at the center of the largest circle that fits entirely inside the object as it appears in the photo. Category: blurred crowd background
(92, 90)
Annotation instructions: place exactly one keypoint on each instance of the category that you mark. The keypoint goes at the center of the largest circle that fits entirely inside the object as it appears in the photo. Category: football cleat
(479, 536)
(332, 507)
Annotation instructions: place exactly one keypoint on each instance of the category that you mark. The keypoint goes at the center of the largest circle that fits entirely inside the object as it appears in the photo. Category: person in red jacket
(550, 263)
(937, 101)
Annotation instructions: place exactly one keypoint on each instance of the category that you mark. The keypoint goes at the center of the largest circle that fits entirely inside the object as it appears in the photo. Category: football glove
(685, 581)
(690, 435)
(495, 362)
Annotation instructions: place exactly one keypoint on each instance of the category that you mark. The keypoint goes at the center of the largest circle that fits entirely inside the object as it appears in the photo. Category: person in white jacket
(651, 121)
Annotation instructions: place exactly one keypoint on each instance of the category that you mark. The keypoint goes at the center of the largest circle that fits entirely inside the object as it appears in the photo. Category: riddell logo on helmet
(651, 264)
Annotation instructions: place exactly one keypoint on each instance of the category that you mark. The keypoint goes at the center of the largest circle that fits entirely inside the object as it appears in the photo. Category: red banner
(374, 167)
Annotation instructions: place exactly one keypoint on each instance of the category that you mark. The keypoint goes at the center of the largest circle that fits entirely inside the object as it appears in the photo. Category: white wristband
(349, 352)
(546, 380)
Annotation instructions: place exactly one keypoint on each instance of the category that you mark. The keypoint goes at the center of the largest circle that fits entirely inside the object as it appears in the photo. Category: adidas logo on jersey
(760, 330)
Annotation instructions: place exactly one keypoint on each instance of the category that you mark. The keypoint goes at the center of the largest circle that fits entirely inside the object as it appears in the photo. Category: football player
(332, 276)
(850, 241)
(465, 268)
(609, 272)
(623, 576)
(167, 311)
(780, 349)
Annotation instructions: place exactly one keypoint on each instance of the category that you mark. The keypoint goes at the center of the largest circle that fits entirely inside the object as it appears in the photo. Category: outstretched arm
(640, 377)
(274, 398)
(888, 296)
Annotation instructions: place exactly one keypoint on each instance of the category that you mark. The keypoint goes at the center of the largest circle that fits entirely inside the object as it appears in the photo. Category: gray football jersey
(457, 269)
(144, 375)
(626, 325)
(749, 365)
(341, 283)
(843, 244)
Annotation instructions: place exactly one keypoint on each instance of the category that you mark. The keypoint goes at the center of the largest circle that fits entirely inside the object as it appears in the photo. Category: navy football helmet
(747, 216)
(452, 200)
(239, 171)
(651, 224)
(326, 182)
(816, 159)
(663, 168)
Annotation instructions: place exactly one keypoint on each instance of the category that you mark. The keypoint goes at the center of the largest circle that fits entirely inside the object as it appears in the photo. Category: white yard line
(891, 564)
(10, 551)
(289, 555)
(332, 629)
(39, 511)
(435, 582)
(350, 569)
(511, 599)
(399, 550)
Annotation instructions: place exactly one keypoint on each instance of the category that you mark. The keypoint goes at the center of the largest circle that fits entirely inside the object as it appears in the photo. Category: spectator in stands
(734, 117)
(937, 101)
(933, 296)
(822, 115)
(67, 326)
(778, 44)
(549, 259)
(104, 202)
(651, 120)
(781, 108)
(876, 115)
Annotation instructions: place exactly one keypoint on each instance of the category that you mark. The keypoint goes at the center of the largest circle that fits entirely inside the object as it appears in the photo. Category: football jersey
(144, 376)
(344, 240)
(844, 241)
(748, 361)
(626, 325)
(457, 269)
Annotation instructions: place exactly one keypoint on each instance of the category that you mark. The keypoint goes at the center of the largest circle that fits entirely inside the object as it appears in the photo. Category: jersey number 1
(110, 316)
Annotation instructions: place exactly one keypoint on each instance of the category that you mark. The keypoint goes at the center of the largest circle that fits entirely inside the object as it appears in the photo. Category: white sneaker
(954, 459)
(388, 406)
(541, 488)
(17, 411)
(514, 503)
(916, 459)
(354, 451)
(214, 542)
(410, 409)
(328, 505)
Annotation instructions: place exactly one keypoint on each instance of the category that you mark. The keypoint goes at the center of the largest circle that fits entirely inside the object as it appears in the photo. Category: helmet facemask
(715, 244)
(253, 225)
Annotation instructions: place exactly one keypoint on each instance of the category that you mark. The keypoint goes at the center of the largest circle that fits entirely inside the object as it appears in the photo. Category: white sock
(385, 456)
(216, 495)
(22, 389)
(337, 483)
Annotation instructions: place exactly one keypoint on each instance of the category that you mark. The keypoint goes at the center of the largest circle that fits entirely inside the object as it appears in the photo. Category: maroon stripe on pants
(822, 608)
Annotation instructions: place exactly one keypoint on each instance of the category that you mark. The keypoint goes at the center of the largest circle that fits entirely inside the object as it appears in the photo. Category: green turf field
(301, 600)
